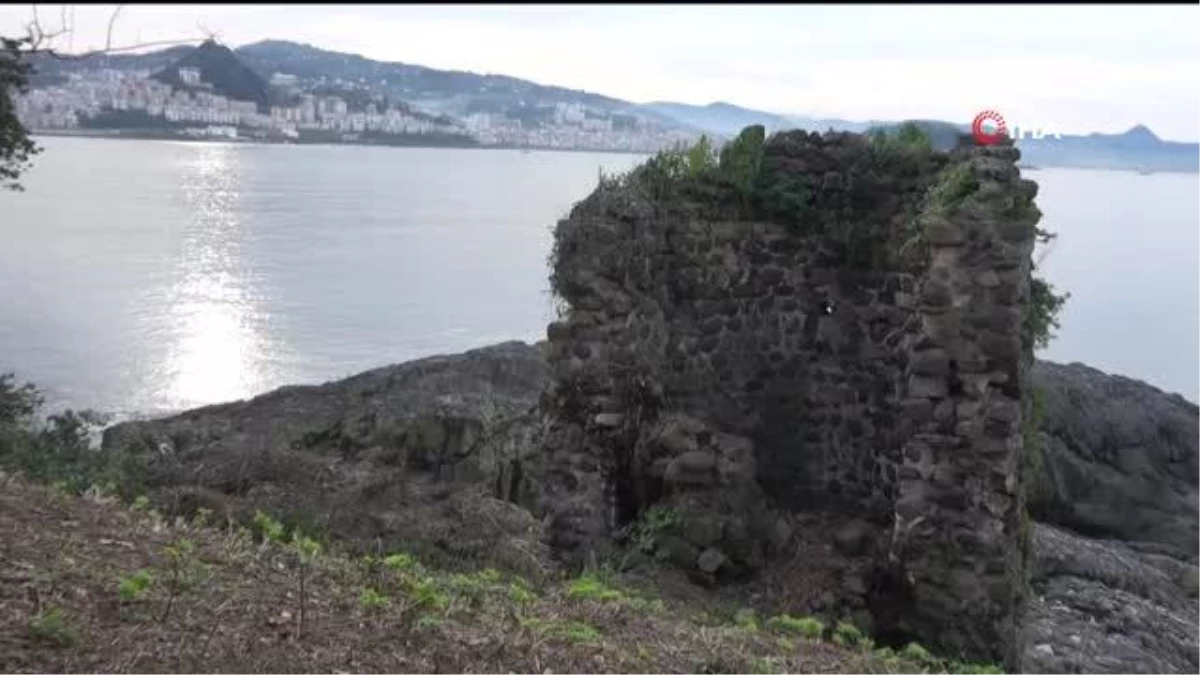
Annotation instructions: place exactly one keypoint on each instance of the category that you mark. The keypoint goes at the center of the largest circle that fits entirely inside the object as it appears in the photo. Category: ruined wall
(735, 368)
(958, 516)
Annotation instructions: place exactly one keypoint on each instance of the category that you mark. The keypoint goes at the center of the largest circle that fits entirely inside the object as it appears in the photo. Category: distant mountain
(1136, 149)
(449, 91)
(221, 68)
(50, 70)
(242, 74)
(723, 119)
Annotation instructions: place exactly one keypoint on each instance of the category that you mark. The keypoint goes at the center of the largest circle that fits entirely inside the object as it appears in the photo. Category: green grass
(807, 626)
(50, 626)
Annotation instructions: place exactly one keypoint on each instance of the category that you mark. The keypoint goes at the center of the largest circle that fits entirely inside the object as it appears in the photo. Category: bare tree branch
(112, 21)
(39, 40)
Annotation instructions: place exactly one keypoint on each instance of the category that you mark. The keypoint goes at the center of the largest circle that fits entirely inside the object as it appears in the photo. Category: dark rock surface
(1121, 459)
(436, 454)
(1103, 607)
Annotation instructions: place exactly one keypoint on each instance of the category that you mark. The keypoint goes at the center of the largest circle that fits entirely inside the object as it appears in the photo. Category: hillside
(49, 70)
(91, 586)
(720, 118)
(460, 94)
(221, 68)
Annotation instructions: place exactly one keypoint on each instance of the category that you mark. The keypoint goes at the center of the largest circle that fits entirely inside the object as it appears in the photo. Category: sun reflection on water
(215, 342)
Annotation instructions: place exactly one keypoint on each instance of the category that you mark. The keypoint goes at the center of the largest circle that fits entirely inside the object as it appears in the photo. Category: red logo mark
(988, 128)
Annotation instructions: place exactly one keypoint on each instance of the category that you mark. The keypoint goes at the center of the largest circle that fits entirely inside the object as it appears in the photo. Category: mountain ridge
(459, 93)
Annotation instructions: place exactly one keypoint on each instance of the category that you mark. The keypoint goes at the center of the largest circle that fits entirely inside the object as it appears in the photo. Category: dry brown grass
(69, 553)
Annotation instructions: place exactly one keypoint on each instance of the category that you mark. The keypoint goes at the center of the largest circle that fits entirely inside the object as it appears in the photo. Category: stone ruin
(738, 369)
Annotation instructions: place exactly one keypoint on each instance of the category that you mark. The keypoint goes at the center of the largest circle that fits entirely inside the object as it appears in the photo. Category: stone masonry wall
(736, 370)
(958, 517)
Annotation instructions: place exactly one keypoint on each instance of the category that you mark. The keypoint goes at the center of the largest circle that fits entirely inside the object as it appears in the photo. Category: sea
(139, 278)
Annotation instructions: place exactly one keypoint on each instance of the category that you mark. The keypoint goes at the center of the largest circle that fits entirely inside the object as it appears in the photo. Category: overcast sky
(1077, 68)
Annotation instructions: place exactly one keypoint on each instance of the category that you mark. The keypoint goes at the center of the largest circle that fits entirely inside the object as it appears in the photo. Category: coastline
(149, 135)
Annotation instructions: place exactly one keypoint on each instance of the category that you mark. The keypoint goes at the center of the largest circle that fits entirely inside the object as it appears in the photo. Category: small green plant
(532, 623)
(399, 562)
(50, 626)
(307, 549)
(915, 652)
(654, 524)
(847, 634)
(967, 668)
(142, 503)
(807, 626)
(186, 571)
(580, 632)
(1041, 314)
(746, 619)
(131, 587)
(425, 593)
(202, 517)
(429, 622)
(764, 666)
(590, 587)
(885, 654)
(268, 527)
(521, 594)
(372, 599)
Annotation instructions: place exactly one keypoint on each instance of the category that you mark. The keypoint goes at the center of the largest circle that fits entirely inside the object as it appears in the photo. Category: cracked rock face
(438, 454)
(1121, 459)
(1104, 607)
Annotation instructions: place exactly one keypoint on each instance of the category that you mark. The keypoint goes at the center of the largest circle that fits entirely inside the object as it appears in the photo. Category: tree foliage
(741, 159)
(57, 450)
(16, 147)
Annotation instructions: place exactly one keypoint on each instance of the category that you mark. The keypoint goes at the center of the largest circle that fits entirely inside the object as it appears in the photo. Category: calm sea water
(140, 277)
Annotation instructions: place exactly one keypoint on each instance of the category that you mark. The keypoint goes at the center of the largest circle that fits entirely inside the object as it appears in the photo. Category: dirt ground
(228, 602)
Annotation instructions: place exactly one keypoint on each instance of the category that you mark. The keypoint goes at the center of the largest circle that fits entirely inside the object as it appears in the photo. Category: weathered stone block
(929, 362)
(920, 386)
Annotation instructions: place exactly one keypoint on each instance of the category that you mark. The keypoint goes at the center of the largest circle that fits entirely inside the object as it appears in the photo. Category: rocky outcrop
(1117, 462)
(438, 454)
(1120, 459)
(1104, 607)
(1097, 605)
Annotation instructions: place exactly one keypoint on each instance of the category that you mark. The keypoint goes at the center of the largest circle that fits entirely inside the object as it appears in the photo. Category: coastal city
(107, 100)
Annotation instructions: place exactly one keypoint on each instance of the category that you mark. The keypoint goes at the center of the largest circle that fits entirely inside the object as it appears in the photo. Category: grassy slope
(237, 609)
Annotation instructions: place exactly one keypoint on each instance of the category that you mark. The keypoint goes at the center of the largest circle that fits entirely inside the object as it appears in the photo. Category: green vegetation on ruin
(744, 181)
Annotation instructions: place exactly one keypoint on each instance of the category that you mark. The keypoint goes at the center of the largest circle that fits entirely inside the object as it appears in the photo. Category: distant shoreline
(146, 135)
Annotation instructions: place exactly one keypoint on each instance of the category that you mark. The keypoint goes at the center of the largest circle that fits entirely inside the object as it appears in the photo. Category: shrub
(580, 632)
(268, 527)
(915, 652)
(50, 626)
(589, 587)
(372, 599)
(847, 634)
(58, 451)
(131, 587)
(746, 619)
(807, 626)
(1041, 316)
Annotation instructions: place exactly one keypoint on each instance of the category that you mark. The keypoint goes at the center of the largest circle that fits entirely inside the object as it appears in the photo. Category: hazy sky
(1077, 68)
